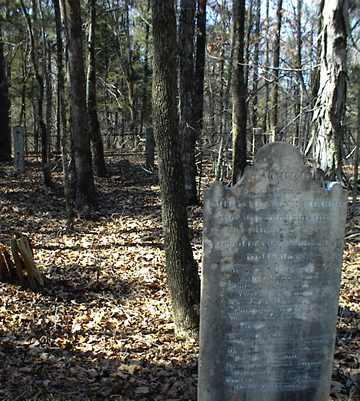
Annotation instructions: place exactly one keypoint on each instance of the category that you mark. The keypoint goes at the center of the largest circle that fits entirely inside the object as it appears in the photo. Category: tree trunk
(328, 118)
(62, 135)
(85, 187)
(145, 112)
(212, 106)
(300, 88)
(258, 140)
(34, 38)
(239, 92)
(248, 40)
(130, 69)
(186, 84)
(267, 65)
(97, 146)
(199, 66)
(5, 131)
(49, 92)
(47, 73)
(219, 95)
(182, 275)
(199, 76)
(276, 64)
(355, 184)
(22, 112)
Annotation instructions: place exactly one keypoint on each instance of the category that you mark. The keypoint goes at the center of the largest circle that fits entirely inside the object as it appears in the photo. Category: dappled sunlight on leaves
(102, 328)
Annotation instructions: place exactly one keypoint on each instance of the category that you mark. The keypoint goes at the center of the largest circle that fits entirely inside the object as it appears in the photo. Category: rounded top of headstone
(278, 168)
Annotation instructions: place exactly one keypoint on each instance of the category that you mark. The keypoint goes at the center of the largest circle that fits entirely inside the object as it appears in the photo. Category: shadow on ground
(31, 371)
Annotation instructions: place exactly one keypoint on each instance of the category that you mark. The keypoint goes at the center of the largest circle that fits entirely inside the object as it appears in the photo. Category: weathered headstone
(18, 139)
(271, 276)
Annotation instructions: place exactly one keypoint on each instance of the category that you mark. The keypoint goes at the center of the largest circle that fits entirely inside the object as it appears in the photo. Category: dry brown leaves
(102, 330)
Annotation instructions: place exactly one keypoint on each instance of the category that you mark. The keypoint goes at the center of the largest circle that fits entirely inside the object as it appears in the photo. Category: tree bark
(328, 118)
(146, 112)
(239, 92)
(97, 146)
(47, 73)
(199, 76)
(34, 38)
(276, 64)
(85, 187)
(49, 92)
(199, 66)
(5, 131)
(255, 99)
(186, 84)
(355, 191)
(267, 65)
(249, 29)
(61, 125)
(130, 69)
(182, 275)
(297, 106)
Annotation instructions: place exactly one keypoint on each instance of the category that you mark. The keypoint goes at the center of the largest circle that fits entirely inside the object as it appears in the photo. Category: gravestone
(18, 139)
(270, 283)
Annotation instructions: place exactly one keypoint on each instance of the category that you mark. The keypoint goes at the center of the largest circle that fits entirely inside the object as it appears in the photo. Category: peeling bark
(328, 118)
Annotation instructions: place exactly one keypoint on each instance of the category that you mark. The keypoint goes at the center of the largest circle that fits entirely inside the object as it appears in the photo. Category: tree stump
(17, 263)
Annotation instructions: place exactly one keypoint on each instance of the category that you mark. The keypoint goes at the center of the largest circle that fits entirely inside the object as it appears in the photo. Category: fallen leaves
(102, 329)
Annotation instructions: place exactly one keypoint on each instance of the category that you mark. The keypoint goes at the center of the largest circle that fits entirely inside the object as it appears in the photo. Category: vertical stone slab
(271, 276)
(19, 157)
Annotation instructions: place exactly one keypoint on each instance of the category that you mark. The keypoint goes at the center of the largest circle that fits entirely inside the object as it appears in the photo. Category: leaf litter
(102, 328)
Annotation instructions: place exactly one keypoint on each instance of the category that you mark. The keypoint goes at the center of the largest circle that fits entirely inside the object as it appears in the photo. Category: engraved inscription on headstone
(271, 276)
(18, 139)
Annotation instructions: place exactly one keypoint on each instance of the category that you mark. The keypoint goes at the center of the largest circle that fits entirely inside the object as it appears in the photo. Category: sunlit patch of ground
(102, 328)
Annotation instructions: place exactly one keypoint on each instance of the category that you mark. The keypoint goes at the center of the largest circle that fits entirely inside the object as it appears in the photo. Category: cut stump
(17, 263)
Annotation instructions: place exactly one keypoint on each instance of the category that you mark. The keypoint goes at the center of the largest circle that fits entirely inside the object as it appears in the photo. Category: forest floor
(102, 329)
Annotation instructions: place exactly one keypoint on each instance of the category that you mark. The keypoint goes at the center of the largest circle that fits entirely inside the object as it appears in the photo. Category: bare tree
(186, 85)
(239, 92)
(182, 274)
(5, 133)
(200, 64)
(256, 63)
(199, 74)
(61, 121)
(300, 80)
(266, 118)
(328, 118)
(91, 101)
(276, 64)
(34, 41)
(85, 188)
